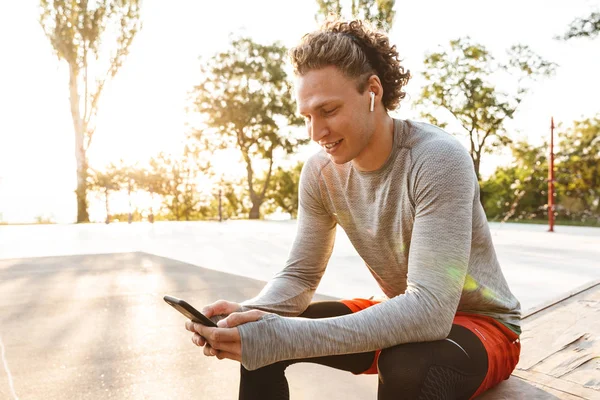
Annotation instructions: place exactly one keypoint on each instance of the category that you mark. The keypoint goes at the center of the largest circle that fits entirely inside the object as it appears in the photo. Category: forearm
(289, 293)
(283, 296)
(403, 319)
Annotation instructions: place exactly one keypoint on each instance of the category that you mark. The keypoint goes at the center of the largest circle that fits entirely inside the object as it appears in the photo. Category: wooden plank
(574, 340)
(587, 375)
(571, 357)
(560, 385)
(536, 347)
(562, 299)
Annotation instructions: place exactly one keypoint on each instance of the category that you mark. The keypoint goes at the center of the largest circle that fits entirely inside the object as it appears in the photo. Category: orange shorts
(501, 344)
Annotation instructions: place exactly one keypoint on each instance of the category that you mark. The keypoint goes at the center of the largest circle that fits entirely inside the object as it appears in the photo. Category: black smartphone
(189, 311)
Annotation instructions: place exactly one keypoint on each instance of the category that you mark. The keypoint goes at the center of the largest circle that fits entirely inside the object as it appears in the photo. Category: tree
(79, 32)
(380, 13)
(130, 179)
(106, 181)
(519, 191)
(578, 168)
(588, 27)
(284, 189)
(176, 180)
(232, 195)
(148, 179)
(459, 82)
(246, 103)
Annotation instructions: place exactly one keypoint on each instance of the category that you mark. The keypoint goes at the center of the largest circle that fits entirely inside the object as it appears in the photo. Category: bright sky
(143, 109)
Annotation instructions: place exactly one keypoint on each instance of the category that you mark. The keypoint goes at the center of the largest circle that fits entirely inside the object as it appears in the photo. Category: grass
(594, 224)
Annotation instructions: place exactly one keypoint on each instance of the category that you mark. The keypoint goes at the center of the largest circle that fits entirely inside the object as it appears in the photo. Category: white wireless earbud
(372, 108)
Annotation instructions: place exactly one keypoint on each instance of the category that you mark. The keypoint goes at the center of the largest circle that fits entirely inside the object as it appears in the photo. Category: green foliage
(76, 28)
(44, 220)
(136, 216)
(246, 103)
(460, 88)
(588, 27)
(519, 192)
(78, 32)
(106, 182)
(175, 179)
(380, 13)
(578, 169)
(232, 196)
(283, 192)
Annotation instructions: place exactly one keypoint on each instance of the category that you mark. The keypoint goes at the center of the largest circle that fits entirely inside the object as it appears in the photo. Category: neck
(379, 148)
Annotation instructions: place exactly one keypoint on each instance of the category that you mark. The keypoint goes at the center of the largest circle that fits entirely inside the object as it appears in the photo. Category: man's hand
(221, 307)
(224, 341)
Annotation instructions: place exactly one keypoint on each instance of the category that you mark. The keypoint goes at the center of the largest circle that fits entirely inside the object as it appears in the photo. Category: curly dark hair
(359, 51)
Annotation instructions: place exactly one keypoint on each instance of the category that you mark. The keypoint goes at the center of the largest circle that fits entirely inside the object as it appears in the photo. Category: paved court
(96, 327)
(538, 265)
(93, 325)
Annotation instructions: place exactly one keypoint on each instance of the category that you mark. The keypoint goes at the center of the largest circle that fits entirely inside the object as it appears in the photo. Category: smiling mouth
(331, 145)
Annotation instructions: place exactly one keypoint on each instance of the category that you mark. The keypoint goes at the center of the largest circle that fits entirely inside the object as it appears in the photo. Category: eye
(330, 111)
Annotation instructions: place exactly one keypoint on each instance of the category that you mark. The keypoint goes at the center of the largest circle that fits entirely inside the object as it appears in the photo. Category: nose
(317, 130)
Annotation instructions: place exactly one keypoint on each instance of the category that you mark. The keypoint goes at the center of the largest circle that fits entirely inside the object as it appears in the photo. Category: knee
(325, 309)
(401, 366)
(271, 370)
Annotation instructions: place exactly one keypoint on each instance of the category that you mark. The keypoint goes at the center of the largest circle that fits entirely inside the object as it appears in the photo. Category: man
(407, 196)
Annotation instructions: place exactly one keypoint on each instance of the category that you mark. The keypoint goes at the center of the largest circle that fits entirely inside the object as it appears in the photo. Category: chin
(339, 160)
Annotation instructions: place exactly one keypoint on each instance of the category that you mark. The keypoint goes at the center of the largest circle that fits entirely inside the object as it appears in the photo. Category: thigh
(325, 309)
(269, 382)
(452, 368)
(356, 363)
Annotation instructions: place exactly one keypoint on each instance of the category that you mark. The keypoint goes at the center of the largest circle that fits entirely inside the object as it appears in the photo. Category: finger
(218, 335)
(221, 307)
(209, 351)
(229, 347)
(189, 325)
(239, 318)
(203, 330)
(231, 356)
(198, 340)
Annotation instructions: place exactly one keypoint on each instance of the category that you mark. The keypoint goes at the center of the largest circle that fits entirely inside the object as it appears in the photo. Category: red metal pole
(551, 179)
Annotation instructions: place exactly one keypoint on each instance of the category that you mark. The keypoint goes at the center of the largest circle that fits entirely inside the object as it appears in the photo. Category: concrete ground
(94, 325)
(539, 266)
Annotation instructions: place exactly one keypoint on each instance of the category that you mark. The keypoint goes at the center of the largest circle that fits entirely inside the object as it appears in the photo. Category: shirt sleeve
(442, 188)
(290, 292)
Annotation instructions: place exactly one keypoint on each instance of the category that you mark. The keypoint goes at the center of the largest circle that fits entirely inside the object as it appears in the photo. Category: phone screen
(190, 312)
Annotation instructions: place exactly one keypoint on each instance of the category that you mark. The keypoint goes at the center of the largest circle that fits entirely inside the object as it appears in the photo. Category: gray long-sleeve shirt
(418, 224)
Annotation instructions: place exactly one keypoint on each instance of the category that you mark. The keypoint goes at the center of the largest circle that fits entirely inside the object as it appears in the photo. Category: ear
(374, 85)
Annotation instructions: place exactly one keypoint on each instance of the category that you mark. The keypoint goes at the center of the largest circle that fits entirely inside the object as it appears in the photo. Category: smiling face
(337, 115)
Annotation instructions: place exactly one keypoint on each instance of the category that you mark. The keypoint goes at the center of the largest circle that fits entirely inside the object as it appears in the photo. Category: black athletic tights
(446, 369)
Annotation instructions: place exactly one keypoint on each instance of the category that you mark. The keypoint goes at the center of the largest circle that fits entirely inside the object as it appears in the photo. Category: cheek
(343, 125)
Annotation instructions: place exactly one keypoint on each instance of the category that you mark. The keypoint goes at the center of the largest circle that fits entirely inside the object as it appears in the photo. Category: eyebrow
(321, 104)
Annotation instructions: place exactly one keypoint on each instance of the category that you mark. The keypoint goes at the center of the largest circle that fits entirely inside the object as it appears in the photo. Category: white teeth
(330, 145)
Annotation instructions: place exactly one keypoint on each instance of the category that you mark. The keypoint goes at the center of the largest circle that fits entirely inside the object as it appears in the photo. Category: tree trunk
(151, 216)
(80, 153)
(255, 210)
(477, 163)
(107, 209)
(254, 198)
(81, 191)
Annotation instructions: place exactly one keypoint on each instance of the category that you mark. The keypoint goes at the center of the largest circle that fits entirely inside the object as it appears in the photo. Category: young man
(407, 196)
